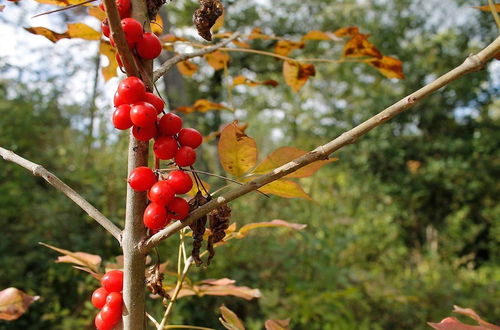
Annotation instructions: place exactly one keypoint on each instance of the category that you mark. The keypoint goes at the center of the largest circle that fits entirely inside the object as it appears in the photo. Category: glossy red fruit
(130, 90)
(99, 297)
(124, 7)
(100, 324)
(165, 147)
(149, 46)
(114, 300)
(141, 179)
(180, 181)
(161, 193)
(112, 281)
(121, 117)
(132, 29)
(105, 28)
(155, 216)
(156, 101)
(145, 133)
(185, 156)
(178, 208)
(170, 124)
(143, 114)
(190, 137)
(111, 316)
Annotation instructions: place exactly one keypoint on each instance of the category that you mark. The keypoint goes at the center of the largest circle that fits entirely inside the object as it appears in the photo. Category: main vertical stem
(134, 232)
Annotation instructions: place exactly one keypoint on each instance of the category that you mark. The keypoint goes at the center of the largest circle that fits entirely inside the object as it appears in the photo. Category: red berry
(156, 101)
(105, 28)
(114, 300)
(180, 181)
(161, 193)
(111, 316)
(190, 137)
(149, 46)
(170, 124)
(124, 8)
(165, 147)
(132, 29)
(185, 156)
(178, 208)
(155, 216)
(145, 133)
(99, 297)
(121, 117)
(100, 324)
(143, 114)
(112, 281)
(130, 90)
(141, 179)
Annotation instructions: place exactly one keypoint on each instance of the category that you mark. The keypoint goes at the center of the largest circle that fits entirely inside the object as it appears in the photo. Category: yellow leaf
(349, 31)
(359, 46)
(242, 80)
(96, 12)
(275, 223)
(195, 189)
(316, 35)
(63, 3)
(237, 151)
(241, 44)
(217, 60)
(187, 68)
(171, 38)
(284, 155)
(487, 8)
(285, 188)
(285, 47)
(218, 23)
(109, 51)
(157, 25)
(388, 66)
(202, 105)
(296, 74)
(257, 34)
(75, 30)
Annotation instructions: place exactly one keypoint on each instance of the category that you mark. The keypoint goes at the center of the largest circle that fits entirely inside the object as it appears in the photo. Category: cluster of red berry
(146, 44)
(108, 299)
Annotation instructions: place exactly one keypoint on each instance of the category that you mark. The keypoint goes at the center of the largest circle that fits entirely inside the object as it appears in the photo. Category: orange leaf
(63, 3)
(242, 80)
(275, 223)
(241, 44)
(230, 320)
(487, 8)
(202, 105)
(388, 66)
(96, 12)
(284, 155)
(257, 34)
(359, 46)
(285, 47)
(451, 323)
(109, 51)
(317, 35)
(277, 324)
(217, 60)
(14, 303)
(296, 74)
(171, 38)
(237, 151)
(187, 68)
(285, 188)
(157, 25)
(90, 261)
(349, 31)
(75, 30)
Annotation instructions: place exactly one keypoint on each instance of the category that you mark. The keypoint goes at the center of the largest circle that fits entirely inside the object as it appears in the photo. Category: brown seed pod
(218, 223)
(205, 16)
(198, 226)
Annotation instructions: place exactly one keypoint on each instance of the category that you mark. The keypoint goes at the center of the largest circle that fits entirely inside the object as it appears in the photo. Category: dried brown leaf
(296, 74)
(275, 223)
(14, 303)
(390, 67)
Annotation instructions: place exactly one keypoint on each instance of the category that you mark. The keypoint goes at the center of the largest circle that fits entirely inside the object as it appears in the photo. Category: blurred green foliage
(405, 225)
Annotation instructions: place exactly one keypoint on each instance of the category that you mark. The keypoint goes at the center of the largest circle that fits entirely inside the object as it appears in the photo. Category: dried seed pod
(205, 16)
(198, 226)
(154, 7)
(218, 223)
(154, 282)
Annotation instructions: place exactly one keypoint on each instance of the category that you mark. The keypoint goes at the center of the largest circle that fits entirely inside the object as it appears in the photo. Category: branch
(39, 170)
(471, 64)
(167, 65)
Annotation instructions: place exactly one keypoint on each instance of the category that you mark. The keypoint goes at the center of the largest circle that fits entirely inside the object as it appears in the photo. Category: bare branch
(165, 67)
(39, 170)
(471, 64)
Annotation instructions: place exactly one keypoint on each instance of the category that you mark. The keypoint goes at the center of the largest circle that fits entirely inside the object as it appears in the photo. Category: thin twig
(64, 8)
(494, 13)
(471, 64)
(152, 319)
(167, 65)
(39, 170)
